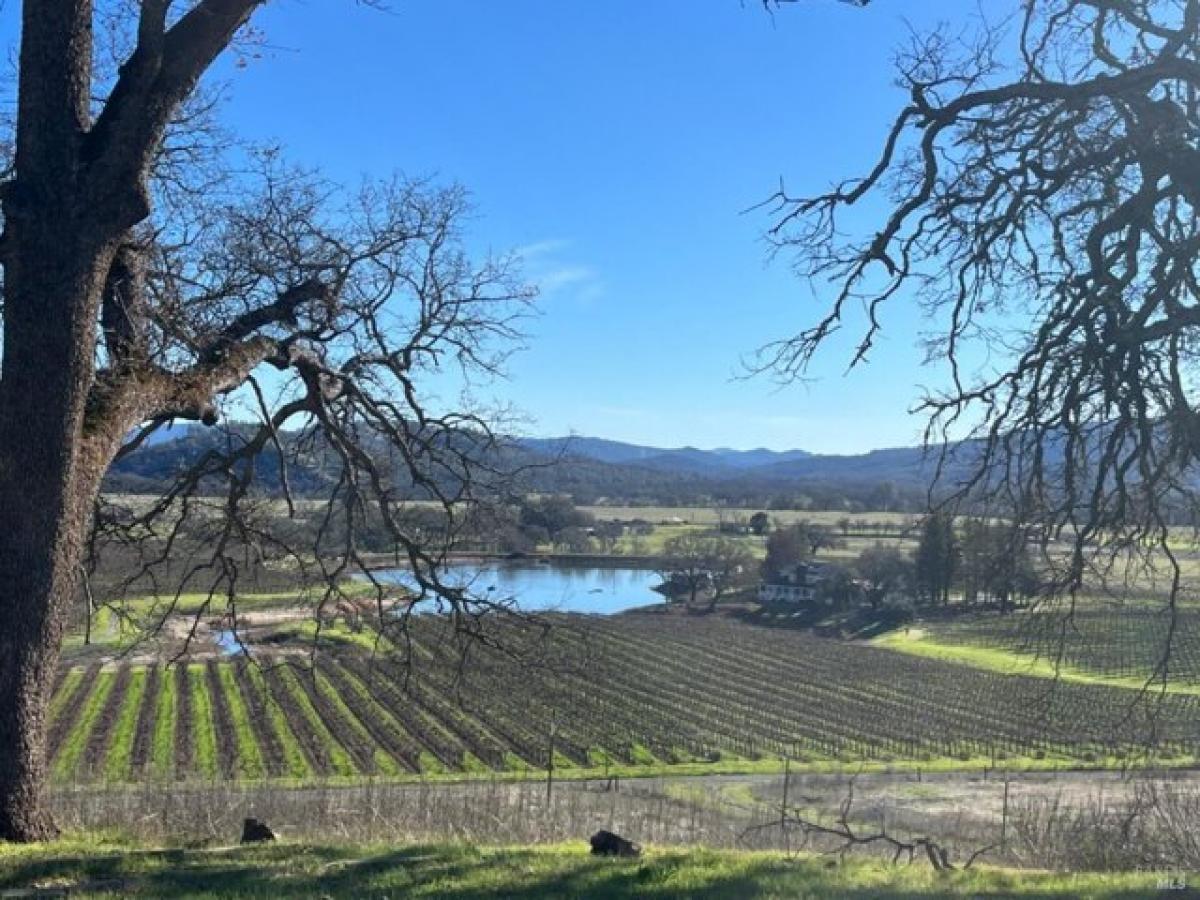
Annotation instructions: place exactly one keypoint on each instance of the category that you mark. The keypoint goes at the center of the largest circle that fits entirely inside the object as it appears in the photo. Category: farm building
(798, 584)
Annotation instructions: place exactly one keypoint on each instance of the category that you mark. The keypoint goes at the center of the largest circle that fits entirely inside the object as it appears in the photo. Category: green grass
(124, 623)
(641, 756)
(384, 762)
(67, 760)
(116, 764)
(89, 868)
(433, 771)
(707, 515)
(600, 764)
(472, 764)
(249, 757)
(431, 765)
(190, 604)
(337, 634)
(598, 758)
(109, 629)
(204, 736)
(338, 757)
(1122, 639)
(65, 690)
(654, 544)
(295, 763)
(162, 747)
(514, 763)
(1011, 662)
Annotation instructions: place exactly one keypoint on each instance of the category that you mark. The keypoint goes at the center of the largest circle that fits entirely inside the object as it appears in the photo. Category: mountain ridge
(906, 463)
(594, 469)
(688, 457)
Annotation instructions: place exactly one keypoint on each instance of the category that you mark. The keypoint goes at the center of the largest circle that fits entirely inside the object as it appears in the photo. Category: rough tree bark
(53, 276)
(77, 189)
(50, 470)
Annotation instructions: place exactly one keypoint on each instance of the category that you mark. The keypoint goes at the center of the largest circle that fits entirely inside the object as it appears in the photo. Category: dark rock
(256, 832)
(605, 843)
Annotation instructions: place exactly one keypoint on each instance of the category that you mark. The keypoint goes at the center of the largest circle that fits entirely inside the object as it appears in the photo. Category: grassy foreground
(104, 869)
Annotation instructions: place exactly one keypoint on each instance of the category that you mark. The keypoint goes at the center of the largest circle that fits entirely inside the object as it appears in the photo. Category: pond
(540, 587)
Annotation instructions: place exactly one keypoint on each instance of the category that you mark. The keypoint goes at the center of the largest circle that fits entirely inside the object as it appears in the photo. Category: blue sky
(617, 144)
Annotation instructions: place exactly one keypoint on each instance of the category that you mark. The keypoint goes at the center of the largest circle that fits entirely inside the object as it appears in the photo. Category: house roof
(803, 571)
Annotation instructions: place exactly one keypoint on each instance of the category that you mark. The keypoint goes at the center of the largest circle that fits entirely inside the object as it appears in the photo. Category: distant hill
(760, 456)
(898, 464)
(722, 461)
(907, 465)
(600, 470)
(170, 432)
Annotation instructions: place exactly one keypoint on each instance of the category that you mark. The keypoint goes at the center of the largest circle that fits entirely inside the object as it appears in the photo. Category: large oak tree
(143, 283)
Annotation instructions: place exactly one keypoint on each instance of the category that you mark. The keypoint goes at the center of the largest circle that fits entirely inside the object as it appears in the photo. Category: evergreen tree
(936, 558)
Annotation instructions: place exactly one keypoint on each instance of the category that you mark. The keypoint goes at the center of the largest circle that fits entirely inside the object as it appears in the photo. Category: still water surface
(580, 589)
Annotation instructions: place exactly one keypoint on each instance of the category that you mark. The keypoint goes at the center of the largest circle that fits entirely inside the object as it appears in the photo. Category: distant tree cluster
(936, 559)
(788, 545)
(985, 561)
(698, 566)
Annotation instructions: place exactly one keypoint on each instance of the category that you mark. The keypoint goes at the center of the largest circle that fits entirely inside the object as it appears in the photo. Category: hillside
(593, 469)
(720, 462)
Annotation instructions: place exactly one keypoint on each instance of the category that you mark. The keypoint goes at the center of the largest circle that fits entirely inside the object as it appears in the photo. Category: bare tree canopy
(154, 271)
(1041, 188)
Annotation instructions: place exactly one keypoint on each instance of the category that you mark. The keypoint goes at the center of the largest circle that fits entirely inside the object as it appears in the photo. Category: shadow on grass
(464, 873)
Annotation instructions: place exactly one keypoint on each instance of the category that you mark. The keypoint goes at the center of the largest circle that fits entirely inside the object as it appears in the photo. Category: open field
(99, 868)
(708, 515)
(849, 548)
(858, 531)
(644, 692)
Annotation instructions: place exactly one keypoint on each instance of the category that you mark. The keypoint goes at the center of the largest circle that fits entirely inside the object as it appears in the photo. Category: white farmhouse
(796, 585)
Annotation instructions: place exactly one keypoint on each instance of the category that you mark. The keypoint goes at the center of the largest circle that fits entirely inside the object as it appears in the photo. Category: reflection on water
(227, 643)
(550, 587)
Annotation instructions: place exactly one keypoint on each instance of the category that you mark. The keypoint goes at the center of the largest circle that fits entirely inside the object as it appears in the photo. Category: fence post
(783, 804)
(550, 765)
(1004, 818)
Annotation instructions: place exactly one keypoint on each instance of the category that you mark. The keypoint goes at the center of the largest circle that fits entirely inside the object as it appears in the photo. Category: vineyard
(624, 691)
(1122, 642)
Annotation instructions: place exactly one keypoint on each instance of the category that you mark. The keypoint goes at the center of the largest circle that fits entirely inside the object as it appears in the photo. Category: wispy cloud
(549, 266)
(530, 252)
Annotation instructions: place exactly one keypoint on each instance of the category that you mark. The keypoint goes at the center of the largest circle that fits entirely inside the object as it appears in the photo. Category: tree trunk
(714, 600)
(51, 463)
(28, 655)
(78, 186)
(46, 495)
(43, 523)
(48, 483)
